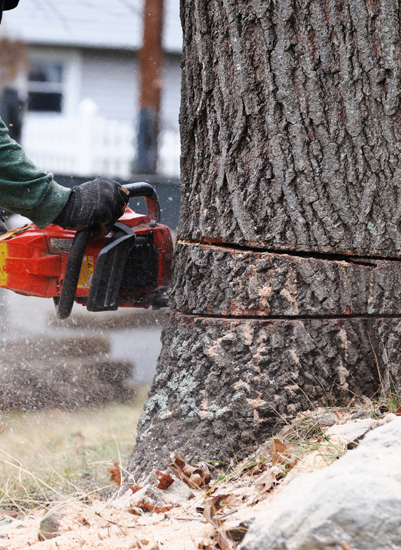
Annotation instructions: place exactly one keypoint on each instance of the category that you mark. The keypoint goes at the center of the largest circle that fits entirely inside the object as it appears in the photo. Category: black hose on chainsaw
(72, 271)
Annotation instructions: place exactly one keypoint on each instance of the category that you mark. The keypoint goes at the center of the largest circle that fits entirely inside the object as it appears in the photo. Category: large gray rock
(354, 504)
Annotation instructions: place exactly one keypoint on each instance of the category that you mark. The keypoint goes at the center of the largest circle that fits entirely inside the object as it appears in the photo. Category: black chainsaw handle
(65, 303)
(148, 192)
(72, 271)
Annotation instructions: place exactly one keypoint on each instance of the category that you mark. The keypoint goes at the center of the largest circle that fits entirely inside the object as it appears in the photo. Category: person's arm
(26, 190)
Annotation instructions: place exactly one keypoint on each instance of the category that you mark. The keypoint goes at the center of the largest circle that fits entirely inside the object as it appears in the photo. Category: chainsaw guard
(109, 270)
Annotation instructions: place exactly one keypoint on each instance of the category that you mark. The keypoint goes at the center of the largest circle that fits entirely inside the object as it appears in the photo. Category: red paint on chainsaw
(33, 261)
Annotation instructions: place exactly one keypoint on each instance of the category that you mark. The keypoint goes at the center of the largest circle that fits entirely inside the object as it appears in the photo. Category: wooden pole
(151, 63)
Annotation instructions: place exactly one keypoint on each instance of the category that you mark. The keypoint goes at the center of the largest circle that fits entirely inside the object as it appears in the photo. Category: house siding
(170, 104)
(110, 79)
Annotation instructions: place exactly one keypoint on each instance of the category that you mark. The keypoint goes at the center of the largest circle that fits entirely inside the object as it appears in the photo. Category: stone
(349, 432)
(6, 521)
(178, 492)
(225, 386)
(49, 527)
(351, 505)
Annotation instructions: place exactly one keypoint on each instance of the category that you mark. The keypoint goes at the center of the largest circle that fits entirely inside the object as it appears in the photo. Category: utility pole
(151, 62)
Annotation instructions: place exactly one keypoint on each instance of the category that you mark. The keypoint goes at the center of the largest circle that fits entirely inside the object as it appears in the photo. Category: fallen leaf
(193, 476)
(135, 511)
(281, 453)
(231, 500)
(258, 469)
(152, 499)
(134, 489)
(217, 501)
(84, 521)
(115, 474)
(265, 482)
(165, 480)
(209, 513)
(398, 411)
(238, 532)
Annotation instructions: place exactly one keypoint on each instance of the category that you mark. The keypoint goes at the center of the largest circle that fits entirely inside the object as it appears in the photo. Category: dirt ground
(220, 509)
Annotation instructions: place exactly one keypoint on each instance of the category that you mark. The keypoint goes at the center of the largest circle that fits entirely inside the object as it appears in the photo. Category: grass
(48, 454)
(54, 452)
(305, 435)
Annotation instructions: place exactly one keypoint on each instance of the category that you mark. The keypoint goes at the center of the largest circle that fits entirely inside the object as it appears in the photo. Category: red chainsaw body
(33, 261)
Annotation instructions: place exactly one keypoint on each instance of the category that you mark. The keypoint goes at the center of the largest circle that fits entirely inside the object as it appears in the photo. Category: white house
(83, 74)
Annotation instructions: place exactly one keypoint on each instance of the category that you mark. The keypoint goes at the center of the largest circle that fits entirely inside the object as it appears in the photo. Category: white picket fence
(90, 145)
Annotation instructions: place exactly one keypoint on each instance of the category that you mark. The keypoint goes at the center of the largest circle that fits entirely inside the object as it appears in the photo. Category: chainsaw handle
(148, 192)
(72, 271)
(80, 242)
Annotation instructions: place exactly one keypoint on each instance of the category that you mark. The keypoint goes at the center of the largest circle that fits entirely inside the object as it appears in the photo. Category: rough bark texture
(291, 124)
(223, 386)
(211, 280)
(291, 143)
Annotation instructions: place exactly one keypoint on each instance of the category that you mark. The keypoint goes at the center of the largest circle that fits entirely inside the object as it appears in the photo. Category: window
(45, 87)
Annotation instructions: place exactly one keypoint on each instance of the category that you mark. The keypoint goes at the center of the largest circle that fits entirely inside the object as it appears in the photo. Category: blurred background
(89, 88)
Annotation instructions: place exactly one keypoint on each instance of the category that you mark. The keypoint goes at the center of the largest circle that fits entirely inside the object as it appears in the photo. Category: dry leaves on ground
(193, 476)
(182, 508)
(115, 474)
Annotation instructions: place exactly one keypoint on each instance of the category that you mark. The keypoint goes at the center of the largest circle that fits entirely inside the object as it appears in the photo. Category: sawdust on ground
(92, 523)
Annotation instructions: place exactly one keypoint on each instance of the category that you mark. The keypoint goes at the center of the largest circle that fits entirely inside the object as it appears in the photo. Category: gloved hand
(99, 202)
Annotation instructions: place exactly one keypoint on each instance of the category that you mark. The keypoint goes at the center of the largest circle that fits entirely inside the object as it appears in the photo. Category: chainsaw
(129, 267)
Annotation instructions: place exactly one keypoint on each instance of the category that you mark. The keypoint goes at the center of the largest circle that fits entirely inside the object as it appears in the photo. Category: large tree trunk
(287, 267)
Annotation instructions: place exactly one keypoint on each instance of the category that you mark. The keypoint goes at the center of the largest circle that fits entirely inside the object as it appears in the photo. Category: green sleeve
(24, 189)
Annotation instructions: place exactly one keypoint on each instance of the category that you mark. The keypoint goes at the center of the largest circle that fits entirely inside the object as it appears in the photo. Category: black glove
(99, 202)
(3, 227)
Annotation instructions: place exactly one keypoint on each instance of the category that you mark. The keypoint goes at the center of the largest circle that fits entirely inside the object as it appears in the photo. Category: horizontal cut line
(286, 317)
(357, 260)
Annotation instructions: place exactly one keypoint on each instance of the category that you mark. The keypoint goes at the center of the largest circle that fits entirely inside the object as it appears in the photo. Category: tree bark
(291, 125)
(286, 272)
(212, 280)
(224, 386)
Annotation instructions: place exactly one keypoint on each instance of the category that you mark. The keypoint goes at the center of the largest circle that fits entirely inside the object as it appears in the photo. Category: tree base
(223, 386)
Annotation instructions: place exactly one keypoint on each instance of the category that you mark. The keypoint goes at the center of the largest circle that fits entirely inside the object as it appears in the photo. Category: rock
(49, 526)
(352, 504)
(178, 492)
(348, 432)
(327, 420)
(6, 521)
(238, 532)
